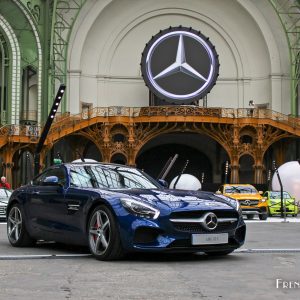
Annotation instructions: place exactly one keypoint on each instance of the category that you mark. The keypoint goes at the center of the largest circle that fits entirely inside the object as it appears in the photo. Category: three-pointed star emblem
(180, 65)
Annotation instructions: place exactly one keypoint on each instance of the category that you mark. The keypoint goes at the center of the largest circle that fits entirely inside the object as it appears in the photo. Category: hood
(177, 199)
(239, 196)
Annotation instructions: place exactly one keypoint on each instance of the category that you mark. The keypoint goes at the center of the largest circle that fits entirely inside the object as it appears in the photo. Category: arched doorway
(246, 169)
(205, 156)
(282, 151)
(73, 147)
(118, 158)
(91, 151)
(22, 171)
(153, 160)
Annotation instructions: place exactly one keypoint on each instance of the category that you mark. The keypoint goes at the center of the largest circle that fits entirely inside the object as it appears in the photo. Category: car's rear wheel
(263, 216)
(16, 229)
(219, 253)
(250, 217)
(103, 234)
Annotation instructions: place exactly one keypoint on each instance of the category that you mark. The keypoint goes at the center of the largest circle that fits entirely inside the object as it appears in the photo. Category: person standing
(4, 183)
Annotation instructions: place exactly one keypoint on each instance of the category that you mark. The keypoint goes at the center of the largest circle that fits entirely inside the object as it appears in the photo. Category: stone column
(234, 177)
(258, 173)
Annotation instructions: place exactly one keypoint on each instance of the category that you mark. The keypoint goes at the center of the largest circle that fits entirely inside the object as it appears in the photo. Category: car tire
(17, 233)
(295, 215)
(263, 217)
(219, 253)
(103, 234)
(250, 217)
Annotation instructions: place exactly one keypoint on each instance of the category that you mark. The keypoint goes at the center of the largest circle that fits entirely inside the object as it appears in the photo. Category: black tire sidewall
(24, 237)
(114, 233)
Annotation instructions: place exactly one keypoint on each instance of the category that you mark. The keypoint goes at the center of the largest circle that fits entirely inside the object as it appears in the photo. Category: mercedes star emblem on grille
(210, 221)
(247, 202)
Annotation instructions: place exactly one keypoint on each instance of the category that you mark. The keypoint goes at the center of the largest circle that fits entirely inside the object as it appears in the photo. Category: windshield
(276, 195)
(240, 189)
(4, 193)
(110, 177)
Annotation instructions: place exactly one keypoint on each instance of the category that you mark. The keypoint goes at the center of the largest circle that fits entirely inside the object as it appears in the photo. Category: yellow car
(251, 201)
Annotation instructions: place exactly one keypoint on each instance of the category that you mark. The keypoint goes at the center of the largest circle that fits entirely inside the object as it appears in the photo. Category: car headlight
(139, 209)
(263, 200)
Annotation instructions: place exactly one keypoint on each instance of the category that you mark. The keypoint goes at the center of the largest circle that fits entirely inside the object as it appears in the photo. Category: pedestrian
(4, 183)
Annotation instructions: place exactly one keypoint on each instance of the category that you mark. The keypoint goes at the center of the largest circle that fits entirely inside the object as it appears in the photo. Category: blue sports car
(115, 209)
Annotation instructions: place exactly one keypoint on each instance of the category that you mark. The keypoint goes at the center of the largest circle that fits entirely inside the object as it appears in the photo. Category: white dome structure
(290, 178)
(186, 182)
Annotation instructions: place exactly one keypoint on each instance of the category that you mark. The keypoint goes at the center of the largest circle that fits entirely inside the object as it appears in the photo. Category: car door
(65, 209)
(45, 203)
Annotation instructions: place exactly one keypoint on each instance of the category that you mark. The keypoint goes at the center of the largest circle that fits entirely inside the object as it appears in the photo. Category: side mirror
(218, 192)
(163, 183)
(260, 192)
(51, 181)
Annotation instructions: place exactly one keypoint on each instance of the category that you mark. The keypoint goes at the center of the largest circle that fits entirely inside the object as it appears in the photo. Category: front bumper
(254, 210)
(161, 236)
(290, 210)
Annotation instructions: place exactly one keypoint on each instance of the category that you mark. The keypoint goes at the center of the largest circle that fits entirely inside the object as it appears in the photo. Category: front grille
(199, 213)
(198, 228)
(2, 210)
(249, 202)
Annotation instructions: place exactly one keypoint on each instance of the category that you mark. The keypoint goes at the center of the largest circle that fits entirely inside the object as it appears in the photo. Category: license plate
(209, 239)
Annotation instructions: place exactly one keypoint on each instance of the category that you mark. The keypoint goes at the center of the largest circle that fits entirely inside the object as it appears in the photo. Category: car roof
(83, 163)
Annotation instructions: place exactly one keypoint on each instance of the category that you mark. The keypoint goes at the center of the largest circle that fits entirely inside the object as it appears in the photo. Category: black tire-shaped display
(250, 217)
(16, 229)
(103, 234)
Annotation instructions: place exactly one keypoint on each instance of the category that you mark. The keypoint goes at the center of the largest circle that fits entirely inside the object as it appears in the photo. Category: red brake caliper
(96, 227)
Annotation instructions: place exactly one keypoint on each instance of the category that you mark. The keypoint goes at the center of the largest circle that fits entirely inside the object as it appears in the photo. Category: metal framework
(64, 16)
(4, 66)
(289, 14)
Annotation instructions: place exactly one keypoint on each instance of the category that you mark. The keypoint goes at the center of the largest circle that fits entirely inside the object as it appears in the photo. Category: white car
(4, 196)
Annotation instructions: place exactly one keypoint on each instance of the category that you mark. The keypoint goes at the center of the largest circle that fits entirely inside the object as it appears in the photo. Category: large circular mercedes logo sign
(180, 65)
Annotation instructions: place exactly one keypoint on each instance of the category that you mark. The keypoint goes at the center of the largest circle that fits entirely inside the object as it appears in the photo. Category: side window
(59, 172)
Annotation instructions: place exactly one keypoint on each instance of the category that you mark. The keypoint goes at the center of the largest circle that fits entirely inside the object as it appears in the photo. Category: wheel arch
(10, 204)
(97, 202)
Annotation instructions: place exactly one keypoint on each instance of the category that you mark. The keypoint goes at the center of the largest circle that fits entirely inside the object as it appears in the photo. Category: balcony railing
(66, 120)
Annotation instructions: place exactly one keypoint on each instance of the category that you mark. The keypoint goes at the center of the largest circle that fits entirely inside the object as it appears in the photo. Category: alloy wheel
(99, 232)
(14, 224)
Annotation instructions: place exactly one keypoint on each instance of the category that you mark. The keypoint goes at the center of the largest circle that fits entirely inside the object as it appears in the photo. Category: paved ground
(271, 251)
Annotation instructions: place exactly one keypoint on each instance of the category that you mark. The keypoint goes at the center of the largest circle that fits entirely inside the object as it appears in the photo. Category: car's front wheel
(263, 216)
(16, 230)
(103, 234)
(250, 217)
